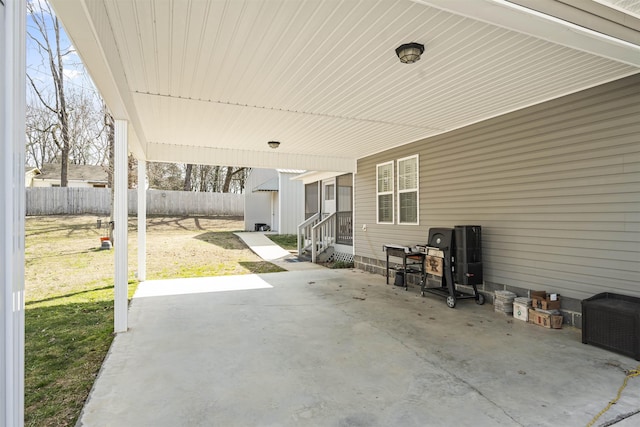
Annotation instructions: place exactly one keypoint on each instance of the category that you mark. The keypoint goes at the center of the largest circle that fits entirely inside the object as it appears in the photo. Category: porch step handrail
(323, 235)
(305, 230)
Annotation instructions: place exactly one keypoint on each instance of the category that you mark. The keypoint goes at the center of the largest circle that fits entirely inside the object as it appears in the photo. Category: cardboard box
(520, 311)
(540, 299)
(551, 305)
(538, 294)
(551, 321)
(545, 304)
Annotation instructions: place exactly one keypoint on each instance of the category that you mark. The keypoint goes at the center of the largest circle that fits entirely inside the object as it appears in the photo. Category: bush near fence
(97, 201)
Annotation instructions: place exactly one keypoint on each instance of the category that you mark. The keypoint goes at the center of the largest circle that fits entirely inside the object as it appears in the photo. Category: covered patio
(340, 348)
(212, 82)
(320, 85)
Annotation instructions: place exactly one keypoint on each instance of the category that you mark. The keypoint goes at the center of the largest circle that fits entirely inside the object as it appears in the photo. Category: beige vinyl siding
(555, 187)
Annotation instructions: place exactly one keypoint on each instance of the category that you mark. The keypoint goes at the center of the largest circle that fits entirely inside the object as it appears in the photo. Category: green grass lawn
(287, 241)
(69, 297)
(66, 340)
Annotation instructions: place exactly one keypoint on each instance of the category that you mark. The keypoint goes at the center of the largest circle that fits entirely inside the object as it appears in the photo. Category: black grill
(460, 248)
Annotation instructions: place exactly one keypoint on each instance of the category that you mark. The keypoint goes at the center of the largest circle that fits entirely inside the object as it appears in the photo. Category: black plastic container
(612, 321)
(399, 278)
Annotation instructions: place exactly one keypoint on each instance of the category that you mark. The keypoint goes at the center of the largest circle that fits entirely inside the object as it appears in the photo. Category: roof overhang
(213, 82)
(315, 176)
(270, 185)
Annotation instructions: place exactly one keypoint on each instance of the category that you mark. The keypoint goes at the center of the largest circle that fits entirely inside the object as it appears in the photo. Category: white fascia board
(253, 159)
(87, 25)
(291, 171)
(316, 176)
(514, 17)
(599, 17)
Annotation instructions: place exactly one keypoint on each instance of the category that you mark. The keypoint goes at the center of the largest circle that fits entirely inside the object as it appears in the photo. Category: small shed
(273, 201)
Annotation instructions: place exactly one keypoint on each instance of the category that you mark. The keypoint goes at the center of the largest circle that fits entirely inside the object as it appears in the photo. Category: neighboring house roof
(29, 169)
(30, 172)
(85, 173)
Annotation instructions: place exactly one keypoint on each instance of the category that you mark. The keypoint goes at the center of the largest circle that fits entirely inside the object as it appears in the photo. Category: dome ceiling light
(409, 52)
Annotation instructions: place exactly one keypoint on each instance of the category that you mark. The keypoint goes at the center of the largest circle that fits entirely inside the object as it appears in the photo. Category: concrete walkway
(266, 249)
(340, 348)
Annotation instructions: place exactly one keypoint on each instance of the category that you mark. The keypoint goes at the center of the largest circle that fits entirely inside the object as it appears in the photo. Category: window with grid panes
(384, 189)
(408, 190)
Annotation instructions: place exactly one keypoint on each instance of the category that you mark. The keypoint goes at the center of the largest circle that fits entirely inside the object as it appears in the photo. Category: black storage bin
(399, 279)
(612, 321)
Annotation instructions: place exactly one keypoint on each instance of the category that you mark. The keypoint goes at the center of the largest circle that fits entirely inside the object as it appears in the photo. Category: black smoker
(455, 255)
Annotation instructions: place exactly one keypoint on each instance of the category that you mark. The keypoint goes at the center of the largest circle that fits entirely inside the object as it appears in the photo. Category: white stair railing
(323, 235)
(305, 231)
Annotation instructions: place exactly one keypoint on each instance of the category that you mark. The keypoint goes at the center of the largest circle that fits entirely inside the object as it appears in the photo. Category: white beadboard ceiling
(211, 82)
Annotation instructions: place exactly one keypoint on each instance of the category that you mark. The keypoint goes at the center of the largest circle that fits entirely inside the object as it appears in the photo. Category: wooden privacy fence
(78, 201)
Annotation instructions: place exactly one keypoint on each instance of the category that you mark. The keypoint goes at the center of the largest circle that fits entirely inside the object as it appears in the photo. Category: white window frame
(415, 190)
(385, 193)
(330, 195)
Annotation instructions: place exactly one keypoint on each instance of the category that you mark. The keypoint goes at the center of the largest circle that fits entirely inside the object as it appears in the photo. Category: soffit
(315, 176)
(213, 81)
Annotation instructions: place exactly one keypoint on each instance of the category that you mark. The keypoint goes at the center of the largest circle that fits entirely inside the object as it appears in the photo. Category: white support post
(12, 211)
(142, 220)
(120, 235)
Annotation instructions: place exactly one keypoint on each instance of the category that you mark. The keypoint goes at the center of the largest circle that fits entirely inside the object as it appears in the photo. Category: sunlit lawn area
(69, 296)
(287, 241)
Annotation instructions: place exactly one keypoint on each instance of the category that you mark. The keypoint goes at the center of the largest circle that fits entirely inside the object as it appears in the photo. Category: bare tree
(207, 178)
(204, 178)
(132, 172)
(229, 176)
(192, 177)
(165, 176)
(88, 128)
(40, 148)
(45, 34)
(187, 177)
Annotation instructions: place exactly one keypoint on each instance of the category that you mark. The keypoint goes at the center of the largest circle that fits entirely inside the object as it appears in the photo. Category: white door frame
(328, 196)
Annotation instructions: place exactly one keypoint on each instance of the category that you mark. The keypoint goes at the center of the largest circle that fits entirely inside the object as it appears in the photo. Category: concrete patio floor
(340, 348)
